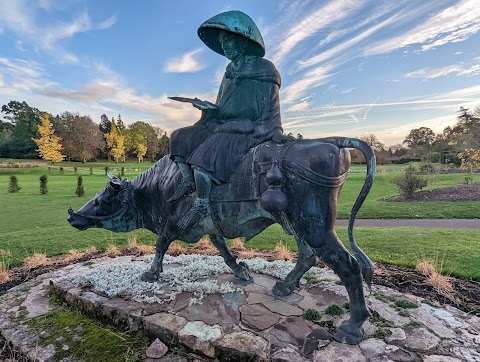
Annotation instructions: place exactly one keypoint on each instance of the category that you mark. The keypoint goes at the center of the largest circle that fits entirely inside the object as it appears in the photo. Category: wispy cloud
(52, 35)
(311, 24)
(430, 73)
(89, 93)
(340, 51)
(185, 63)
(452, 24)
(311, 79)
(24, 19)
(108, 23)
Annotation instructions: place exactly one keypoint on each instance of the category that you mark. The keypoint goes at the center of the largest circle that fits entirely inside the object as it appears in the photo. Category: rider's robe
(248, 114)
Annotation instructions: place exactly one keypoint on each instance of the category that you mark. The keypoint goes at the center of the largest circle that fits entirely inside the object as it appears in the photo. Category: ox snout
(77, 221)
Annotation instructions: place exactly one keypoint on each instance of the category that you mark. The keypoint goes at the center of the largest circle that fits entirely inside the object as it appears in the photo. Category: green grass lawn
(31, 222)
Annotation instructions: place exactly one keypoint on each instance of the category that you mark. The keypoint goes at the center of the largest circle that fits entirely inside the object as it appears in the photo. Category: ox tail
(345, 142)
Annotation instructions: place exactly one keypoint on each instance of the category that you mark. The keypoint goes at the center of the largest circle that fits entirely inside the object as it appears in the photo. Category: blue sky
(348, 67)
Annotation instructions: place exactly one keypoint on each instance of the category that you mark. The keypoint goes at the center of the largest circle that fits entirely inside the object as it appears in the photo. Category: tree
(373, 142)
(397, 150)
(110, 138)
(382, 155)
(420, 137)
(466, 133)
(470, 159)
(43, 184)
(13, 184)
(140, 151)
(152, 137)
(81, 137)
(22, 120)
(48, 143)
(105, 124)
(115, 142)
(164, 145)
(80, 191)
(118, 150)
(120, 125)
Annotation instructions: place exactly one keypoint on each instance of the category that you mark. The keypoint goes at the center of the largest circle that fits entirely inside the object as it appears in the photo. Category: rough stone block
(199, 337)
(157, 349)
(165, 326)
(239, 346)
(339, 353)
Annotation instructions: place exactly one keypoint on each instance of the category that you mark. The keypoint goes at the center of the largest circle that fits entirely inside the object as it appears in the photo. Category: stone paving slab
(249, 324)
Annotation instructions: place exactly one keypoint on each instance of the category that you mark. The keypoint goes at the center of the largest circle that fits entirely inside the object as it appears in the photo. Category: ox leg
(334, 254)
(156, 268)
(239, 269)
(306, 259)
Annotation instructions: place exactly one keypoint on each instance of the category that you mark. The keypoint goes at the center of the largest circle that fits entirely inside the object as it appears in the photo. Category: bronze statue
(246, 113)
(260, 178)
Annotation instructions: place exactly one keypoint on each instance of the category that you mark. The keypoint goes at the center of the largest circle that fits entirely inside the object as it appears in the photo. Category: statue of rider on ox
(234, 173)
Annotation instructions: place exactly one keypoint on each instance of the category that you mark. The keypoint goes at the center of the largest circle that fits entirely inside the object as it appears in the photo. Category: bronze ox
(297, 182)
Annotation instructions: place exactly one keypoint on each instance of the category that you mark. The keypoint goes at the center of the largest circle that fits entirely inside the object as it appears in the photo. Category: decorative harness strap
(302, 171)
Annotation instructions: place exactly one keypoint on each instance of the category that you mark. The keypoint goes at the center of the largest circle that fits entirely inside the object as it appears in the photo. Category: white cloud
(185, 63)
(108, 23)
(88, 93)
(460, 69)
(473, 70)
(311, 79)
(28, 23)
(52, 35)
(19, 45)
(340, 51)
(302, 106)
(429, 73)
(311, 24)
(453, 24)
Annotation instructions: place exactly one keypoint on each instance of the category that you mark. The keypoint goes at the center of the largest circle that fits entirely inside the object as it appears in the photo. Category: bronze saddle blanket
(296, 157)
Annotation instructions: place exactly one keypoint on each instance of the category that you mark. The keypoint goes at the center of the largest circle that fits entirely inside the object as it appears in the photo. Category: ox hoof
(242, 272)
(348, 334)
(281, 289)
(149, 277)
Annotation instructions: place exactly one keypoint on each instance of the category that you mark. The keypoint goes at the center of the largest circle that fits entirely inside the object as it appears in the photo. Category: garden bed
(454, 193)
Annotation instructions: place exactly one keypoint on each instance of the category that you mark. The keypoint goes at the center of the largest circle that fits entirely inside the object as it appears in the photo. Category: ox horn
(110, 176)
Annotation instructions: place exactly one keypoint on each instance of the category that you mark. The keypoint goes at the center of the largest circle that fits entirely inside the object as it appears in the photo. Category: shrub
(43, 184)
(13, 185)
(334, 310)
(80, 191)
(311, 315)
(409, 182)
(427, 167)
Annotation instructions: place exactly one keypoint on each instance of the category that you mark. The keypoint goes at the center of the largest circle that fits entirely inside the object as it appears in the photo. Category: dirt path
(421, 223)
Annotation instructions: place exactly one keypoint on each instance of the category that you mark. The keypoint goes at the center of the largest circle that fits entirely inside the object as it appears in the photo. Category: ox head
(107, 209)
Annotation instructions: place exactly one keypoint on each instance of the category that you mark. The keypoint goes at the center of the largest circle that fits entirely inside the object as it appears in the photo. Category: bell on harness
(273, 199)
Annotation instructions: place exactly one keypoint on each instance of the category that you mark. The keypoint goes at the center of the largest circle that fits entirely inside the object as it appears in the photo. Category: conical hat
(235, 22)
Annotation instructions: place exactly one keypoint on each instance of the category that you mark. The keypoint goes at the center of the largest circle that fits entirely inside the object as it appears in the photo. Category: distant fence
(96, 170)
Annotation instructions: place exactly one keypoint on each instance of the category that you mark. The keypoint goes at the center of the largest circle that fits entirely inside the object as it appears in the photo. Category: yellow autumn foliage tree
(118, 149)
(48, 144)
(115, 142)
(141, 150)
